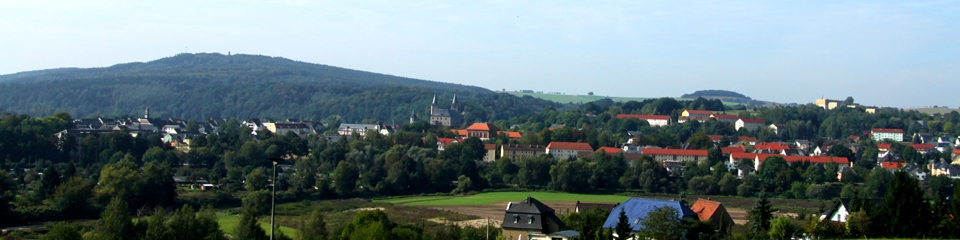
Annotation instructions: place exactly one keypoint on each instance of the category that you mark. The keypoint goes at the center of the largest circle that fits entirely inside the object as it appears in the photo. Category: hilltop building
(445, 117)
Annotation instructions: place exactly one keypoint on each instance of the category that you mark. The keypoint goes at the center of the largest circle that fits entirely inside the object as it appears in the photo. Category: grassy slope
(586, 98)
(229, 222)
(499, 197)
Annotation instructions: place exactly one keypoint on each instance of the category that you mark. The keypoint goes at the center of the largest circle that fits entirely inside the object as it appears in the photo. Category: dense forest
(199, 86)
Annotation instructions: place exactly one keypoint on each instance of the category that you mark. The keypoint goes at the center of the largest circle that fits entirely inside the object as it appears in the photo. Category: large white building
(653, 120)
(879, 134)
(751, 124)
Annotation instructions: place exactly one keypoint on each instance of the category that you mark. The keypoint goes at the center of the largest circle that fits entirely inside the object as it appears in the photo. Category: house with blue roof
(637, 209)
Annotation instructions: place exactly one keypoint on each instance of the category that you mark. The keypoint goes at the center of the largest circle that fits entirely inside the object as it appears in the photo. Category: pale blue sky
(881, 53)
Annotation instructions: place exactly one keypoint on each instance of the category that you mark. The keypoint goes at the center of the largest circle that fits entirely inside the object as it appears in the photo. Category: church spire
(454, 102)
(434, 100)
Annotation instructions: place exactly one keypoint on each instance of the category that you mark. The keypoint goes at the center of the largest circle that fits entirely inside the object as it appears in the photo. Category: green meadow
(499, 197)
(229, 222)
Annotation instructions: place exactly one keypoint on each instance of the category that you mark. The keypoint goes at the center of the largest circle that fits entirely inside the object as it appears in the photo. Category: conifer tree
(249, 227)
(906, 210)
(760, 215)
(623, 228)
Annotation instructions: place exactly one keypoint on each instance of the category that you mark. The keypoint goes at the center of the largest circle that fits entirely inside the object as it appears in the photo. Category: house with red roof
(565, 150)
(747, 140)
(514, 135)
(751, 124)
(653, 120)
(675, 155)
(444, 142)
(879, 134)
(715, 138)
(696, 113)
(892, 165)
(714, 213)
(683, 119)
(729, 150)
(483, 131)
(770, 147)
(758, 159)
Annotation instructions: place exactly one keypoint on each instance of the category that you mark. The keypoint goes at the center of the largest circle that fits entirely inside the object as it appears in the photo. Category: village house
(727, 118)
(517, 152)
(676, 155)
(442, 143)
(714, 213)
(566, 150)
(751, 124)
(879, 134)
(777, 128)
(483, 131)
(637, 209)
(491, 152)
(347, 129)
(523, 219)
(653, 120)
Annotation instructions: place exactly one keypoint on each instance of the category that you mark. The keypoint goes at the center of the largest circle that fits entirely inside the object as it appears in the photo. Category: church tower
(433, 106)
(146, 113)
(453, 104)
(413, 116)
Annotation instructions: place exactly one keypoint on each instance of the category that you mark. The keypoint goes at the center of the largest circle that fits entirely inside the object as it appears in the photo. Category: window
(530, 219)
(516, 218)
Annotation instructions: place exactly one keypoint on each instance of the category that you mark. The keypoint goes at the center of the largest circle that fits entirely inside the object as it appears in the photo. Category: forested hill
(244, 86)
(715, 94)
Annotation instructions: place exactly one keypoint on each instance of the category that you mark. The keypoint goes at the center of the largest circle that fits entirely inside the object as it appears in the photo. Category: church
(445, 117)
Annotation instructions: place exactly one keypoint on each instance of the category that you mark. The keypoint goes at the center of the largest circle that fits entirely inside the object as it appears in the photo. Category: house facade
(565, 150)
(879, 134)
(653, 120)
(347, 129)
(675, 155)
(751, 124)
(517, 152)
(522, 220)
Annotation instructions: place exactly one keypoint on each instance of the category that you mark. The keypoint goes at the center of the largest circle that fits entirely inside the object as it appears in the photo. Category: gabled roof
(490, 146)
(534, 215)
(513, 135)
(771, 146)
(447, 141)
(883, 146)
(482, 127)
(705, 209)
(644, 117)
(715, 137)
(610, 150)
(639, 208)
(729, 150)
(892, 165)
(523, 147)
(679, 152)
(746, 139)
(751, 156)
(570, 146)
(922, 147)
(751, 120)
(887, 130)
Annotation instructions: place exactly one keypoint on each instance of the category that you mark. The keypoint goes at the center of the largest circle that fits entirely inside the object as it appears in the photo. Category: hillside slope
(244, 86)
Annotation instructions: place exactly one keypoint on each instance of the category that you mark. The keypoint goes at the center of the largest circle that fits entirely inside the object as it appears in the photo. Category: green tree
(589, 222)
(115, 222)
(63, 231)
(759, 216)
(257, 180)
(73, 197)
(662, 223)
(8, 192)
(780, 228)
(345, 178)
(623, 229)
(312, 227)
(249, 227)
(157, 228)
(906, 208)
(368, 225)
(49, 181)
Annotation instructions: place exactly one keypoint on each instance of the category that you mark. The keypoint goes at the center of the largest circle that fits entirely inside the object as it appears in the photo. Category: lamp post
(273, 197)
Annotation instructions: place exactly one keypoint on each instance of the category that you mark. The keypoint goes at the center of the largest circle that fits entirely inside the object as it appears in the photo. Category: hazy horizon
(885, 54)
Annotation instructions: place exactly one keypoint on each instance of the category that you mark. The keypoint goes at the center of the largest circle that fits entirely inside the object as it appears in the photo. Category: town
(856, 168)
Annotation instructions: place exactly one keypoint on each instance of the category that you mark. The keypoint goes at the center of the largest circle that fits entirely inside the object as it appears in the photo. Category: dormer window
(516, 218)
(530, 219)
(636, 222)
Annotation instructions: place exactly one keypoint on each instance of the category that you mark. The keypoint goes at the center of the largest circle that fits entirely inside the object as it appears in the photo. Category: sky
(896, 53)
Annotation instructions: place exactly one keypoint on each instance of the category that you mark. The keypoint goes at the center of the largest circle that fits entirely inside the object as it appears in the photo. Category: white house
(565, 150)
(879, 134)
(653, 120)
(751, 124)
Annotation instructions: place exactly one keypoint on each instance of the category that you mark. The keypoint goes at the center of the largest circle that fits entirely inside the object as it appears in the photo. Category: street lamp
(273, 198)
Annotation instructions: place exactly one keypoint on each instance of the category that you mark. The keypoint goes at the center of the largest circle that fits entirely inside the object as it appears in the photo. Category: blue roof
(639, 208)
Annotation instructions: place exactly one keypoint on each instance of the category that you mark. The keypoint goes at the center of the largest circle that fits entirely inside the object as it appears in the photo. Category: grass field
(499, 197)
(229, 222)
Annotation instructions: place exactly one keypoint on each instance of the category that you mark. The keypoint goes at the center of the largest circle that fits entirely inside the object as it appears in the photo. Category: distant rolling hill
(245, 86)
(578, 99)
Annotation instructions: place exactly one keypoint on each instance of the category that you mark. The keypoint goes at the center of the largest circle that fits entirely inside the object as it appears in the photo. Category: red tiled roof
(513, 135)
(705, 208)
(729, 150)
(609, 150)
(888, 130)
(570, 146)
(771, 146)
(922, 147)
(883, 145)
(746, 139)
(725, 116)
(481, 127)
(813, 159)
(641, 116)
(752, 156)
(892, 165)
(715, 137)
(854, 137)
(490, 146)
(660, 151)
(751, 120)
(956, 151)
(702, 112)
(446, 141)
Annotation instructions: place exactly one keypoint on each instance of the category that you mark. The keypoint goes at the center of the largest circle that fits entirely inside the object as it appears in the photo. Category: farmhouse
(637, 209)
(529, 217)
